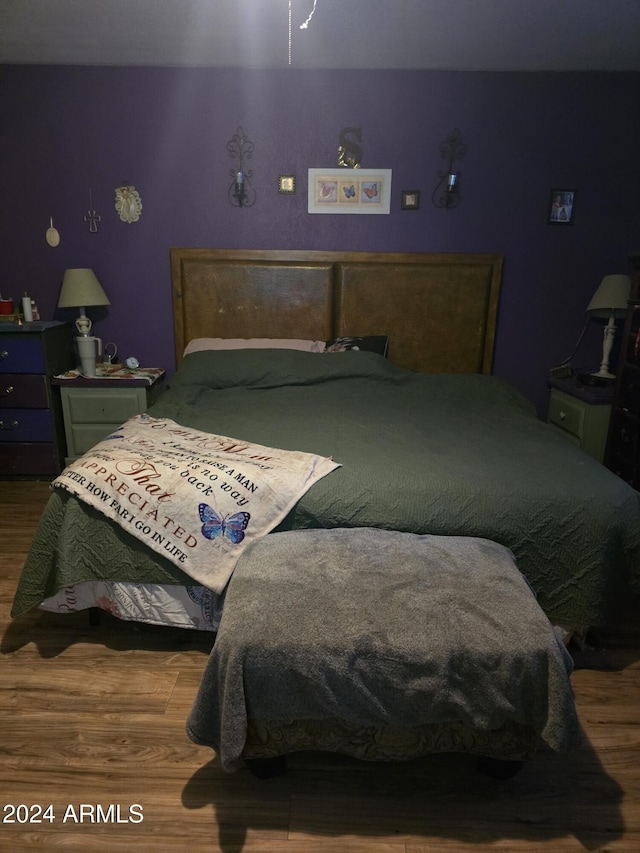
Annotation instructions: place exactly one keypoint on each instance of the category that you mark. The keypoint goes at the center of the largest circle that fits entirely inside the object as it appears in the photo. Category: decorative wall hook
(447, 193)
(241, 192)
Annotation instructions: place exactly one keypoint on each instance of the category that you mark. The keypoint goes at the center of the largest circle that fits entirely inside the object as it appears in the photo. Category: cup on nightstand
(89, 348)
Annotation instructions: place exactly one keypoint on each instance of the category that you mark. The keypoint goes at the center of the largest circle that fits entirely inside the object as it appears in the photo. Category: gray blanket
(379, 627)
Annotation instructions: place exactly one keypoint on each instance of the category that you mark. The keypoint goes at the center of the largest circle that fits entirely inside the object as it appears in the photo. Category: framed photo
(410, 200)
(561, 207)
(349, 191)
(286, 183)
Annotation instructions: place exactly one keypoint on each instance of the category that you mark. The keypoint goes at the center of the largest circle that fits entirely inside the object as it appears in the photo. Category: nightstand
(581, 413)
(31, 426)
(95, 407)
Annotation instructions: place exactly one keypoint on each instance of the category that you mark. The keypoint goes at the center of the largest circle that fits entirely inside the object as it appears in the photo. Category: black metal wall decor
(241, 192)
(350, 150)
(447, 191)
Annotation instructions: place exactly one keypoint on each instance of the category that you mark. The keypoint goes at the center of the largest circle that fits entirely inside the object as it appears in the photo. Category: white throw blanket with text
(196, 498)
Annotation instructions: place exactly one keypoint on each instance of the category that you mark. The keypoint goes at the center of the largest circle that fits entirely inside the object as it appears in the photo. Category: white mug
(89, 348)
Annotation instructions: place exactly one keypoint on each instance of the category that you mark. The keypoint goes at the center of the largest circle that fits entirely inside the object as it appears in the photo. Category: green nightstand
(94, 408)
(581, 413)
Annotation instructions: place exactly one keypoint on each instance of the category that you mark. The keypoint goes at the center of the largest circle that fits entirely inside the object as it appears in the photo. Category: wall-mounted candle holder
(241, 192)
(447, 192)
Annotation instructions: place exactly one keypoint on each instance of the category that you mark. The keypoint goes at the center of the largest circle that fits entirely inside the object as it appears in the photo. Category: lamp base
(593, 380)
(604, 374)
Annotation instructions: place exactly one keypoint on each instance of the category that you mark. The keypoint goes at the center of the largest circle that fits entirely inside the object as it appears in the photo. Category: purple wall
(68, 130)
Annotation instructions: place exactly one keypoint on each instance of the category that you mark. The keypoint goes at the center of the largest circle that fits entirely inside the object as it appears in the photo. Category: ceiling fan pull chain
(306, 23)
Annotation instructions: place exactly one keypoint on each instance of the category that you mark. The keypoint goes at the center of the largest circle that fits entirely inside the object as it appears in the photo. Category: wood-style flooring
(92, 724)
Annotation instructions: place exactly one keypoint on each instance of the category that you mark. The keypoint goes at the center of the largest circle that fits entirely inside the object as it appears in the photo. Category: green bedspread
(460, 455)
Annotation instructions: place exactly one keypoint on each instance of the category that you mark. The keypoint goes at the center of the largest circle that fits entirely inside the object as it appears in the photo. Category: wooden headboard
(438, 310)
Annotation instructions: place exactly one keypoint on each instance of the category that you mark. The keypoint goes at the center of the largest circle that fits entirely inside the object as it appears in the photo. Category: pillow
(372, 343)
(251, 368)
(198, 344)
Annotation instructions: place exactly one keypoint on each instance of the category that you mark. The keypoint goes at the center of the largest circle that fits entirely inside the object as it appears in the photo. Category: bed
(428, 441)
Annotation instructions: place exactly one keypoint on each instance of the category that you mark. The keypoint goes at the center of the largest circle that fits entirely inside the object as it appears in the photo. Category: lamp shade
(610, 299)
(81, 288)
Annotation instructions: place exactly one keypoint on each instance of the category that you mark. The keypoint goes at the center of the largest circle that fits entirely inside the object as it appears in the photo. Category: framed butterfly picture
(349, 191)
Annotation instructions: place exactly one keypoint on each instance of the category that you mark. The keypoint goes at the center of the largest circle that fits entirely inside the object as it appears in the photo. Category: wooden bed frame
(439, 311)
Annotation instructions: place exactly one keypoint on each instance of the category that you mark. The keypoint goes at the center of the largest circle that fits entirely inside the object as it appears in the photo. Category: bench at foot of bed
(383, 646)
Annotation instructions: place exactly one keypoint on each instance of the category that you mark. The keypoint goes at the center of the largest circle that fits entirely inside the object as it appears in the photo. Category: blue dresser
(32, 442)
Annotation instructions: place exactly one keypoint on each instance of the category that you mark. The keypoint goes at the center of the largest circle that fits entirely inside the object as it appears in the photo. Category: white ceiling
(494, 35)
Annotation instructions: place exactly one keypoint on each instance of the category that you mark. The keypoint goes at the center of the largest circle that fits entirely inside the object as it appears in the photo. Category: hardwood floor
(94, 717)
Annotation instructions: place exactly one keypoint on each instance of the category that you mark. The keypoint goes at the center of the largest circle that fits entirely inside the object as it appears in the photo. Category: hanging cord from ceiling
(311, 14)
(302, 26)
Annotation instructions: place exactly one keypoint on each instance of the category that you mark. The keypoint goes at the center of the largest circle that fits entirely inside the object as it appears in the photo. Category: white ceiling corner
(472, 35)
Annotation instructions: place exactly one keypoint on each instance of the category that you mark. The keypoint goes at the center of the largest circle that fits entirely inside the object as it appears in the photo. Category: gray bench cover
(381, 628)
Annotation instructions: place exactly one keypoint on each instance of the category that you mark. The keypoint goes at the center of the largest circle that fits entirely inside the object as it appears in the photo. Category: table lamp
(610, 302)
(80, 288)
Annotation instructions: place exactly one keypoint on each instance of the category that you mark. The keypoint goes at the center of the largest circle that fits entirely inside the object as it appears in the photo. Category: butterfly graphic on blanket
(114, 435)
(230, 526)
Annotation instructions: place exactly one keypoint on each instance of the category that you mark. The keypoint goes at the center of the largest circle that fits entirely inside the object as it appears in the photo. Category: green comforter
(460, 455)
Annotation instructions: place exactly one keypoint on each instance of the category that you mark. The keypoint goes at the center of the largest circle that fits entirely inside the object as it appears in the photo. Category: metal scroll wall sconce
(447, 192)
(241, 192)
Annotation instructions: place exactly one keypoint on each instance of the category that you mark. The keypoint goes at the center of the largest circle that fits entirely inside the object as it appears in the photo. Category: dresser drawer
(21, 354)
(23, 390)
(82, 437)
(91, 414)
(97, 406)
(25, 425)
(32, 430)
(566, 413)
(29, 460)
